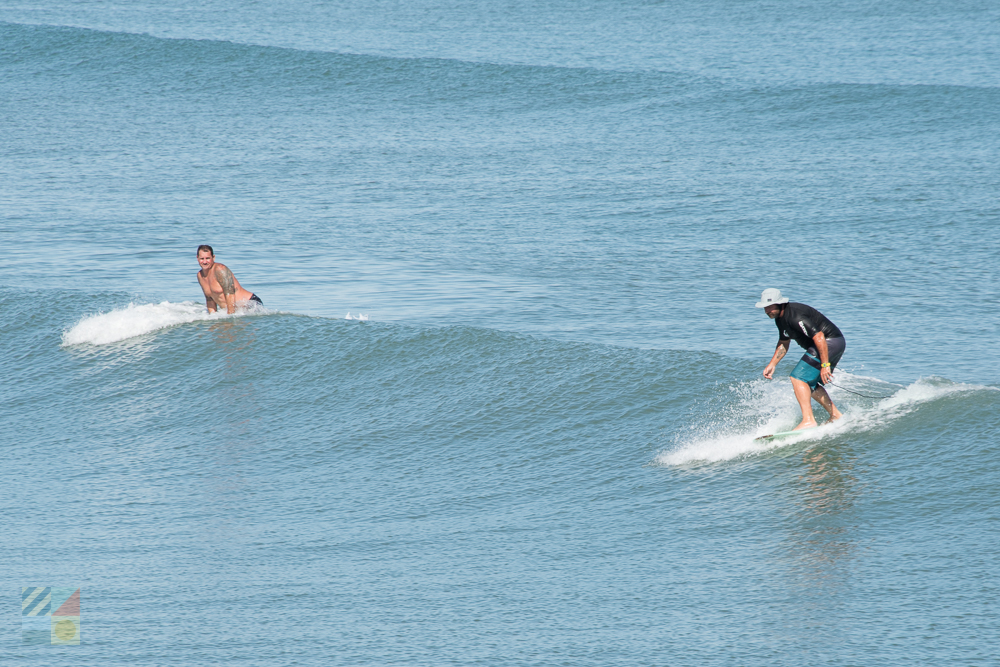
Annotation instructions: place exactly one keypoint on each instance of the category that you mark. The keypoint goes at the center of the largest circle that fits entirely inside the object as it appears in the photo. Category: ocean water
(539, 447)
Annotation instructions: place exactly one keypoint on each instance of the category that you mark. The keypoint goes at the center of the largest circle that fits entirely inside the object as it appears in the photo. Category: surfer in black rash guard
(824, 344)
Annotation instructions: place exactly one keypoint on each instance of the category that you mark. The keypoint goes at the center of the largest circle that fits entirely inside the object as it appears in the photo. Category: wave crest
(135, 320)
(764, 407)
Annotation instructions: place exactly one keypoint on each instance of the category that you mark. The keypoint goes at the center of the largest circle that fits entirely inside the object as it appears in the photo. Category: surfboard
(785, 434)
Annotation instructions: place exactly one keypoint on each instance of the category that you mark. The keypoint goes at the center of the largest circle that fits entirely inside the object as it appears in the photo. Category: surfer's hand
(769, 372)
(825, 375)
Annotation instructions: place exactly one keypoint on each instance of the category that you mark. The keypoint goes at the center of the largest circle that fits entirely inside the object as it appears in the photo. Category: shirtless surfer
(220, 286)
(824, 345)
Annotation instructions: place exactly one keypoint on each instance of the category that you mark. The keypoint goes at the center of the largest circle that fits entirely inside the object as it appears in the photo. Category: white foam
(764, 407)
(135, 320)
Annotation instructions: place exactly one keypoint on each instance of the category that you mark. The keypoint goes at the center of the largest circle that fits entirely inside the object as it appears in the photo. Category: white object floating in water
(359, 318)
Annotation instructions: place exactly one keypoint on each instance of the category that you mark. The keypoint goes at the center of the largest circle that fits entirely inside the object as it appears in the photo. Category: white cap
(771, 296)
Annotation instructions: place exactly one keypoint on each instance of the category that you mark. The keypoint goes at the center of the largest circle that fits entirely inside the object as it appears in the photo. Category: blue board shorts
(808, 368)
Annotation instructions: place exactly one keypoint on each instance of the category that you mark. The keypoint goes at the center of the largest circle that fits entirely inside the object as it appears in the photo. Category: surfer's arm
(779, 352)
(210, 304)
(819, 340)
(227, 281)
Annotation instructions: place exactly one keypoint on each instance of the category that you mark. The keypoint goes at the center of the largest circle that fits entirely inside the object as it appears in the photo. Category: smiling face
(773, 310)
(206, 260)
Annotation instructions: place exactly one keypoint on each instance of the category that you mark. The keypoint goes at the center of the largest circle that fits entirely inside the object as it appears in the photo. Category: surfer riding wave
(221, 288)
(824, 344)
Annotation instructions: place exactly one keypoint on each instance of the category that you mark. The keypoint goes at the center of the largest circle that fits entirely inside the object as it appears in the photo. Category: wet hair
(207, 248)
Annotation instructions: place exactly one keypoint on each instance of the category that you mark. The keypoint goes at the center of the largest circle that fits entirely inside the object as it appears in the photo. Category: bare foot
(805, 424)
(834, 416)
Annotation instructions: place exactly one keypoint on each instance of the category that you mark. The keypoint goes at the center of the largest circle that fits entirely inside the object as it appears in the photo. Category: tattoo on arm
(225, 277)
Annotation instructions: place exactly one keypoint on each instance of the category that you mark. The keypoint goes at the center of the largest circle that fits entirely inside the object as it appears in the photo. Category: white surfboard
(784, 434)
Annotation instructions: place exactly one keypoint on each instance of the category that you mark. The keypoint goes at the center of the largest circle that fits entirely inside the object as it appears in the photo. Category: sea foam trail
(778, 411)
(135, 320)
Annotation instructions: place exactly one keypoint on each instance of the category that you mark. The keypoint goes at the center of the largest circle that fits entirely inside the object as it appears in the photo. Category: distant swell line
(380, 57)
(681, 75)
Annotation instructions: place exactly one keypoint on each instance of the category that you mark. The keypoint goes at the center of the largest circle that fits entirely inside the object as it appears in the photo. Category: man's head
(206, 257)
(771, 301)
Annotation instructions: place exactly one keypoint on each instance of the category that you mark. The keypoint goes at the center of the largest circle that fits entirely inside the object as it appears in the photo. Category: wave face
(540, 447)
(386, 470)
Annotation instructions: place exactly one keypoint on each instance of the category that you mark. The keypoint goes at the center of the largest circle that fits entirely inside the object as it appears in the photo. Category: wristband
(826, 365)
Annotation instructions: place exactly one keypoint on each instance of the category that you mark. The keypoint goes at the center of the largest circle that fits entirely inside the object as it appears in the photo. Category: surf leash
(856, 393)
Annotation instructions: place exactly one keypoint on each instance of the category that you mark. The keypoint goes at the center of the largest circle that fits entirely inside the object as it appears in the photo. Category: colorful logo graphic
(50, 615)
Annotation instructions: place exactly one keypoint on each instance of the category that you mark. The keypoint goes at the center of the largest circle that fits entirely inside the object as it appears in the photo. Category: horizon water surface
(540, 447)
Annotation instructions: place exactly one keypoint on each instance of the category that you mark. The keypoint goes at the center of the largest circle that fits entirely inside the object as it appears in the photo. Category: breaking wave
(139, 319)
(762, 407)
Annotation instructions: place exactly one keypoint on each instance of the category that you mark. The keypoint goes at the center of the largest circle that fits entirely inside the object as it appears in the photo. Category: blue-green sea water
(539, 446)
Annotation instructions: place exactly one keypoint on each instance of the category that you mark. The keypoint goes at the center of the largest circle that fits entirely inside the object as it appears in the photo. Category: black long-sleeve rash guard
(802, 322)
